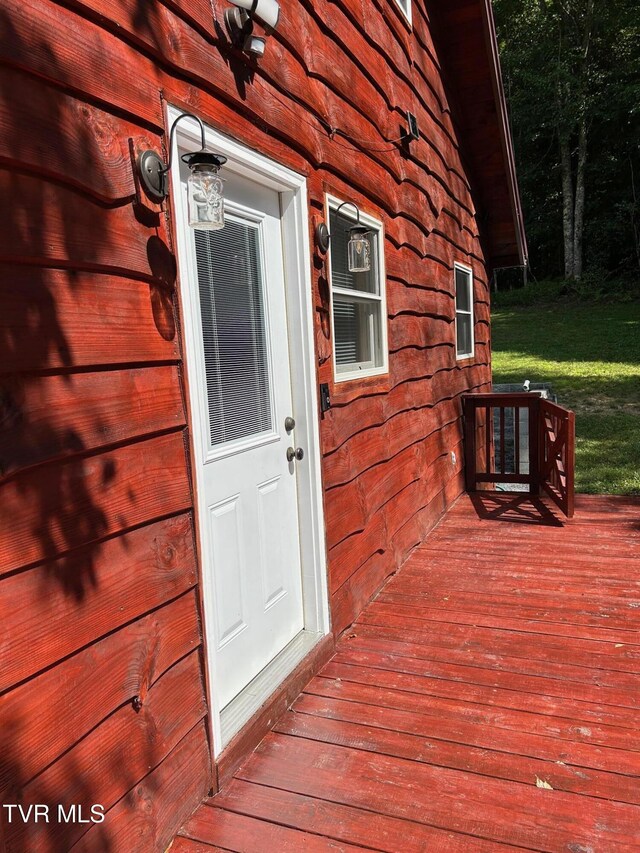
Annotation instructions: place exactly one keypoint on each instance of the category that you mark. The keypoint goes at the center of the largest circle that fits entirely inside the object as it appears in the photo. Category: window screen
(230, 281)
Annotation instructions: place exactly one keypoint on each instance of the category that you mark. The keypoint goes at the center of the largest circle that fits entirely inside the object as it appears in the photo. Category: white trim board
(292, 188)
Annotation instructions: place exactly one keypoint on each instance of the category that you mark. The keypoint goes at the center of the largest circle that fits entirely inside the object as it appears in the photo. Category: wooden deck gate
(493, 457)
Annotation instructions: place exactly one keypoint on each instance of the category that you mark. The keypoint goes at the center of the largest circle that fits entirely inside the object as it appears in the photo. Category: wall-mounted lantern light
(358, 247)
(204, 186)
(239, 23)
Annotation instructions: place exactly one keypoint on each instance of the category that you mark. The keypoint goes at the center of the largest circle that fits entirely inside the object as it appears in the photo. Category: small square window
(464, 312)
(357, 299)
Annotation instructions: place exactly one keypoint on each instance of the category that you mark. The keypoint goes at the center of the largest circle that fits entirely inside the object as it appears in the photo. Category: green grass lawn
(591, 356)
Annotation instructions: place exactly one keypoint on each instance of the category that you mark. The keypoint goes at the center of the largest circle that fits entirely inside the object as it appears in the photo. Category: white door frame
(292, 188)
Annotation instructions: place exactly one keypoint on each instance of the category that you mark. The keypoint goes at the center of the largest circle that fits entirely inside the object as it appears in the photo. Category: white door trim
(297, 259)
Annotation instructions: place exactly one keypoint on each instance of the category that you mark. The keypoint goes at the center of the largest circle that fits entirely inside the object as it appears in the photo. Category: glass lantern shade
(359, 250)
(205, 196)
(205, 193)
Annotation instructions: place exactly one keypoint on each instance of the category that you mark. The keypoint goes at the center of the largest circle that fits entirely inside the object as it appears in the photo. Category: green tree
(572, 81)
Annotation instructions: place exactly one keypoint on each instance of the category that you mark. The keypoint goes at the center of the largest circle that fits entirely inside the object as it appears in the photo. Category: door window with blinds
(464, 311)
(234, 331)
(357, 299)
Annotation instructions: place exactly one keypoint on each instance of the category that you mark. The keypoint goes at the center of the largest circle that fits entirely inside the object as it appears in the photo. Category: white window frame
(340, 375)
(470, 313)
(405, 11)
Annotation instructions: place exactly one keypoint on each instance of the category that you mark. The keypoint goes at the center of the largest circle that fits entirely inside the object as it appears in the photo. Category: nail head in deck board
(181, 844)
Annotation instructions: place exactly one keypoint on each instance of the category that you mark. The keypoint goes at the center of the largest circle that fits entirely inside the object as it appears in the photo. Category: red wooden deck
(486, 700)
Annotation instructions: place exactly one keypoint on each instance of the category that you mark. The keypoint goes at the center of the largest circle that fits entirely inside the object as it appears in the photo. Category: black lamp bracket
(351, 204)
(323, 236)
(153, 171)
(358, 228)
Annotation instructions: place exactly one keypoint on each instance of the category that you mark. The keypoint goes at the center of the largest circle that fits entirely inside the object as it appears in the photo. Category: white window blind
(346, 332)
(234, 334)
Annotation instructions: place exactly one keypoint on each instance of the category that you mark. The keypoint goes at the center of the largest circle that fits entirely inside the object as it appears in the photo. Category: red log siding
(98, 588)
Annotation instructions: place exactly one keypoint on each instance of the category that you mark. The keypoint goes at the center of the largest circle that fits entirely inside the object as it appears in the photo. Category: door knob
(292, 454)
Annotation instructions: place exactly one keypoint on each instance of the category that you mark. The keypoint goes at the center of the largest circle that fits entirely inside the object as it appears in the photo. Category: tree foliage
(572, 77)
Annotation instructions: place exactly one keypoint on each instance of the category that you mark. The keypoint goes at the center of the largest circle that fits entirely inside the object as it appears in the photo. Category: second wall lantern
(359, 245)
(205, 189)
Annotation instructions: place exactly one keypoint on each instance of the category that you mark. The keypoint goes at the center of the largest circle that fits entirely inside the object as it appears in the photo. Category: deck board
(502, 659)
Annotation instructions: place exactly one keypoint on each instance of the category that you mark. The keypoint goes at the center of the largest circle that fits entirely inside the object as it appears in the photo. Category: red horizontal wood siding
(98, 559)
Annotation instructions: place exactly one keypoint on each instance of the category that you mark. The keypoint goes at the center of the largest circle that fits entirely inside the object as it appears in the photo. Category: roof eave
(491, 38)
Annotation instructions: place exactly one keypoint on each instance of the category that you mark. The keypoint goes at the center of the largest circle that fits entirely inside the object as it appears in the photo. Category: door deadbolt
(289, 424)
(292, 454)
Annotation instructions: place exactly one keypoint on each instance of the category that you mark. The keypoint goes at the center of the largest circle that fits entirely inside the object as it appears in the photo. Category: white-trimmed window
(405, 5)
(464, 311)
(358, 300)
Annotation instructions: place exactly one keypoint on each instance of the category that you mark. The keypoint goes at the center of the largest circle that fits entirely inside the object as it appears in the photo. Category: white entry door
(248, 501)
(248, 311)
